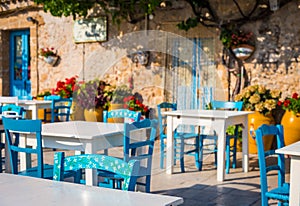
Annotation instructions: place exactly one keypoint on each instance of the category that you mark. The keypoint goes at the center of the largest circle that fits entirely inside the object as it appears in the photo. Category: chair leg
(201, 151)
(182, 154)
(197, 152)
(162, 153)
(234, 153)
(148, 181)
(227, 155)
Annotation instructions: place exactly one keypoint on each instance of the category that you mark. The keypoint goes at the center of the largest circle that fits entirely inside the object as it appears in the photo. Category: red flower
(286, 103)
(295, 96)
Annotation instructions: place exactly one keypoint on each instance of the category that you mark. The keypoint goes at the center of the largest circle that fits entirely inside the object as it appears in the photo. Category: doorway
(20, 81)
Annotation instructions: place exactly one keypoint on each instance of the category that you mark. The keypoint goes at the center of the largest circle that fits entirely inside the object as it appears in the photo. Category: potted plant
(118, 96)
(239, 42)
(65, 88)
(135, 103)
(262, 101)
(49, 55)
(291, 118)
(93, 96)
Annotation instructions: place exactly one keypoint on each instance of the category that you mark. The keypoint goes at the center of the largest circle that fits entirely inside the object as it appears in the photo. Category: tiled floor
(201, 187)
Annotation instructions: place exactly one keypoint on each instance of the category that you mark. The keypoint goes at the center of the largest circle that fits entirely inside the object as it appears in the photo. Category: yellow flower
(270, 104)
(255, 98)
(261, 89)
(275, 93)
(238, 97)
(253, 88)
(259, 107)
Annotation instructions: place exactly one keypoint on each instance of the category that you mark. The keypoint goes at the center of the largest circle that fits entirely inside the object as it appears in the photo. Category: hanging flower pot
(243, 51)
(51, 60)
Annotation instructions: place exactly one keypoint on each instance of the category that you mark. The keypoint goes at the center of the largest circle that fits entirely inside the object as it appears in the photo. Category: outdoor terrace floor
(201, 187)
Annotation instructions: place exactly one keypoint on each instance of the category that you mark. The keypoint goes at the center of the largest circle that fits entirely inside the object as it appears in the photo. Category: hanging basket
(51, 60)
(243, 51)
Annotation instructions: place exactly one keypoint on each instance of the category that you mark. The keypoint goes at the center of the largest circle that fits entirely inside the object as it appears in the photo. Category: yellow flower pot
(113, 107)
(255, 120)
(77, 112)
(291, 128)
(93, 115)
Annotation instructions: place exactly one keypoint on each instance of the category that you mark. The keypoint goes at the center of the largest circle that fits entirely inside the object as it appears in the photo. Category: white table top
(82, 129)
(23, 190)
(292, 149)
(207, 113)
(31, 102)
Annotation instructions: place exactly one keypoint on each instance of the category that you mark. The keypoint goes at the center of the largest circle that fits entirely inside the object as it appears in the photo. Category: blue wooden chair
(139, 138)
(13, 128)
(13, 111)
(121, 113)
(126, 170)
(179, 139)
(230, 149)
(280, 193)
(60, 108)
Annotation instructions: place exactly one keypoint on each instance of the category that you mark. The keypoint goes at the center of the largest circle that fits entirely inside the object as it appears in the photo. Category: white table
(34, 106)
(294, 151)
(218, 120)
(88, 137)
(28, 191)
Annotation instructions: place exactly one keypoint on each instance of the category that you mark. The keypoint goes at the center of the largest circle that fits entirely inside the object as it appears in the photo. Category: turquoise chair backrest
(227, 105)
(60, 107)
(162, 119)
(121, 113)
(128, 171)
(12, 109)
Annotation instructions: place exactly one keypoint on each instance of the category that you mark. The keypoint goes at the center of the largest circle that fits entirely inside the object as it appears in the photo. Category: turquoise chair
(179, 139)
(60, 108)
(34, 127)
(126, 170)
(11, 110)
(230, 149)
(13, 129)
(139, 138)
(280, 193)
(121, 113)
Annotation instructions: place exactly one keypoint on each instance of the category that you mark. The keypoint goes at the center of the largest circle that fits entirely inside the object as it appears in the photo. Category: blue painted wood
(126, 170)
(230, 150)
(179, 138)
(121, 113)
(34, 127)
(141, 149)
(20, 83)
(281, 192)
(60, 108)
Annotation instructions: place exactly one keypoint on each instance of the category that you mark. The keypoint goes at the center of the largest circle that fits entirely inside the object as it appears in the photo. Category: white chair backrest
(8, 100)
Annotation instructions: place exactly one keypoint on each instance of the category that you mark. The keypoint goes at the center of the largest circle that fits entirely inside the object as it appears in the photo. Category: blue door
(20, 84)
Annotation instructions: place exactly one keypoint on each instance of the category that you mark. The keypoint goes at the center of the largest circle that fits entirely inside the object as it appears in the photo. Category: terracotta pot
(291, 128)
(255, 120)
(93, 115)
